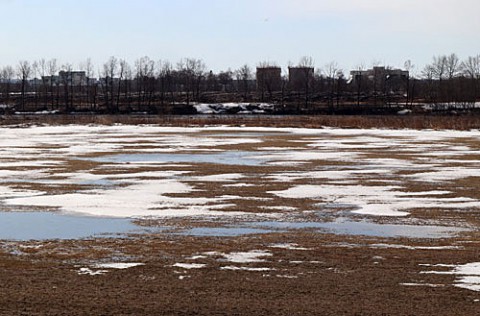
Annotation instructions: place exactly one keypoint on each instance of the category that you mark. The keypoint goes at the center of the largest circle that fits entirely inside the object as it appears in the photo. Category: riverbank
(454, 122)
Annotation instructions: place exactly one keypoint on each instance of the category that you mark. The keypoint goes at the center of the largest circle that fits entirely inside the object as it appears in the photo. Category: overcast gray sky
(229, 33)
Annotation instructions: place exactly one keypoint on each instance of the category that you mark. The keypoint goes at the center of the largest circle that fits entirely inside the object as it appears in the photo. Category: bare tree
(165, 79)
(35, 72)
(87, 66)
(127, 84)
(452, 65)
(244, 75)
(145, 78)
(122, 68)
(428, 74)
(359, 81)
(196, 67)
(193, 71)
(332, 72)
(24, 70)
(471, 69)
(67, 83)
(408, 65)
(52, 69)
(307, 64)
(453, 70)
(7, 74)
(439, 67)
(42, 72)
(110, 69)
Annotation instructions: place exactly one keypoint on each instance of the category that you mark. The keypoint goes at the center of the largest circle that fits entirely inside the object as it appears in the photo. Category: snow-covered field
(159, 170)
(372, 182)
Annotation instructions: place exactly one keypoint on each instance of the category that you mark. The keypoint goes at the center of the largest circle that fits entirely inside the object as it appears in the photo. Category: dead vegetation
(453, 122)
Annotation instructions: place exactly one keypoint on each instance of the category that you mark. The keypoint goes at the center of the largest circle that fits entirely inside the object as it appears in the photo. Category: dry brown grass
(352, 121)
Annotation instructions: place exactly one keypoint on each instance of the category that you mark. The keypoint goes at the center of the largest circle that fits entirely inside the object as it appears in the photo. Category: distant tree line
(157, 87)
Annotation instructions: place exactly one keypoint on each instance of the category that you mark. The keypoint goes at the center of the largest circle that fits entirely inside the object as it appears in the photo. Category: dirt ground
(337, 275)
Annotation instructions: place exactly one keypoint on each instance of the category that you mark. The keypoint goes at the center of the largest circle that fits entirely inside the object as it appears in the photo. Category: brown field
(304, 271)
(457, 122)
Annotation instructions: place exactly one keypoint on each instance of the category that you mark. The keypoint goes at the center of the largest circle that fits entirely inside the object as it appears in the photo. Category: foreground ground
(242, 221)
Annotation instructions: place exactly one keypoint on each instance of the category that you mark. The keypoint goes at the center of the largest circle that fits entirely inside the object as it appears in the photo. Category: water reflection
(341, 226)
(46, 225)
(245, 158)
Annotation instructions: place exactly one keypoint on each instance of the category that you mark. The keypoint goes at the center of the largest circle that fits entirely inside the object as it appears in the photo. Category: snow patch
(189, 266)
(117, 265)
(245, 257)
(219, 177)
(233, 108)
(468, 275)
(289, 246)
(147, 198)
(376, 200)
(102, 268)
(233, 268)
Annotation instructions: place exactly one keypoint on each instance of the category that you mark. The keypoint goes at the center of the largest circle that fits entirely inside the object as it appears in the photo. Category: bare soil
(338, 275)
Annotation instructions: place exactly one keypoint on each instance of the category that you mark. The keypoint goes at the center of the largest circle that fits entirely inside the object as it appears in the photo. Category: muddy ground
(337, 275)
(281, 272)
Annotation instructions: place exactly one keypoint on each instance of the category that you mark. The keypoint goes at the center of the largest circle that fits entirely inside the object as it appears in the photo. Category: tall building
(269, 79)
(300, 78)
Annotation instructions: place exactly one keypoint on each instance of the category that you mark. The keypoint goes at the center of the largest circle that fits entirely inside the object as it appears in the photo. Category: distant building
(381, 78)
(107, 81)
(269, 79)
(378, 73)
(51, 80)
(300, 78)
(75, 78)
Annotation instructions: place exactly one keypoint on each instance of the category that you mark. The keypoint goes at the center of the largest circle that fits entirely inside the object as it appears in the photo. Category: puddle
(43, 226)
(346, 227)
(245, 158)
(98, 183)
(224, 231)
(249, 134)
(340, 227)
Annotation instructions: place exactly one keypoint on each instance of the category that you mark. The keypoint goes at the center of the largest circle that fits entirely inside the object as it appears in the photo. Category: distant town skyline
(227, 34)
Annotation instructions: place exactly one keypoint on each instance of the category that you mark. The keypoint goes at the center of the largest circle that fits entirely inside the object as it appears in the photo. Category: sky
(230, 33)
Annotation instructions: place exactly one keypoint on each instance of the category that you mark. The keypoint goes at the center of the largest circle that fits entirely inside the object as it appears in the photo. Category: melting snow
(100, 267)
(233, 268)
(468, 275)
(117, 265)
(423, 284)
(88, 271)
(245, 257)
(289, 246)
(219, 177)
(376, 200)
(189, 266)
(46, 149)
(145, 198)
